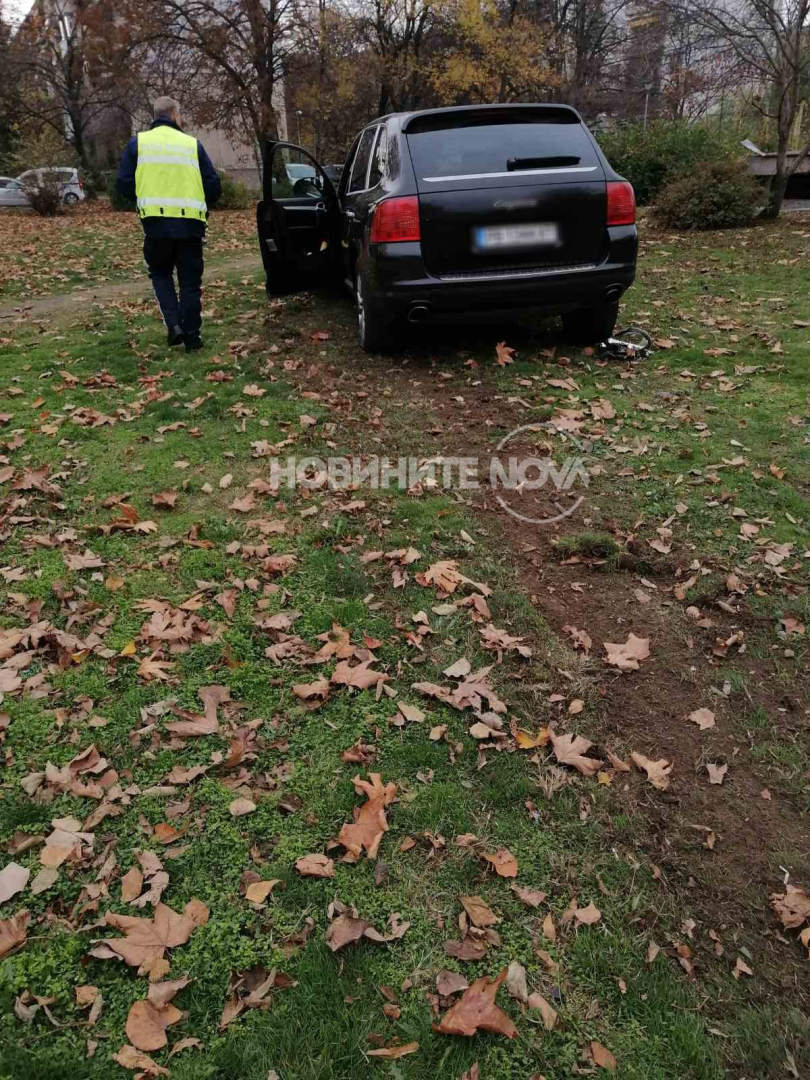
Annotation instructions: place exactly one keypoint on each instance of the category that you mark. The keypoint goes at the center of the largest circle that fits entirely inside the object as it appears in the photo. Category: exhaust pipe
(613, 294)
(418, 313)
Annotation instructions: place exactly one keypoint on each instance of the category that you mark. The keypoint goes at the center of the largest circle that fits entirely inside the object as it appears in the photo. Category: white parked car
(12, 193)
(69, 181)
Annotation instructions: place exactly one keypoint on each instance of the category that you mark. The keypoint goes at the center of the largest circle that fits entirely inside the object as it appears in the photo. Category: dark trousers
(163, 256)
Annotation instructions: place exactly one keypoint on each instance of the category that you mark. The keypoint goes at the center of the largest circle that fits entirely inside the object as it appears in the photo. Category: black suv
(447, 211)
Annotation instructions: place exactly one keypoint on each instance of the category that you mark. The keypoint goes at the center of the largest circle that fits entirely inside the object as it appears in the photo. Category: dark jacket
(172, 228)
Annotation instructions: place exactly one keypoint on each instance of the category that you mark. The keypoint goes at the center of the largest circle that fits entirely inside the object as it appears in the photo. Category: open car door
(298, 220)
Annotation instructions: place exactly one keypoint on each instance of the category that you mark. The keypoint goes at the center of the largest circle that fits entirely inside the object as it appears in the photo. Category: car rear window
(468, 145)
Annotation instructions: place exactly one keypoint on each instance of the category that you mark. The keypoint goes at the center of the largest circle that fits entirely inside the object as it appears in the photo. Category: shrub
(716, 195)
(652, 157)
(45, 198)
(235, 194)
(117, 201)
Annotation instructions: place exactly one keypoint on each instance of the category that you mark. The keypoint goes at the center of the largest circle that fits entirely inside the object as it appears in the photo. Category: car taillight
(395, 220)
(621, 203)
(81, 184)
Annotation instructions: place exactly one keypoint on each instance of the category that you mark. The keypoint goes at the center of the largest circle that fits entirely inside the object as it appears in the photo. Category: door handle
(350, 214)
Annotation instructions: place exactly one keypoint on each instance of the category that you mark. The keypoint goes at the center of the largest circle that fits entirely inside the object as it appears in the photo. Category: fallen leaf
(531, 897)
(626, 656)
(13, 932)
(240, 807)
(476, 1010)
(792, 906)
(516, 984)
(450, 982)
(130, 1058)
(704, 718)
(258, 891)
(600, 1055)
(13, 879)
(570, 750)
(131, 885)
(589, 915)
(370, 823)
(549, 1014)
(480, 913)
(503, 862)
(657, 771)
(394, 1052)
(147, 939)
(503, 354)
(741, 968)
(315, 866)
(343, 930)
(549, 929)
(717, 773)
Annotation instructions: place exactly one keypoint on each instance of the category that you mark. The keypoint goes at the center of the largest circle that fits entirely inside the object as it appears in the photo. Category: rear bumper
(398, 283)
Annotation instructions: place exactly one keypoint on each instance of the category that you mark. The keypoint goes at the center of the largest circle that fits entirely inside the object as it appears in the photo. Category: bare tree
(771, 40)
(72, 64)
(242, 46)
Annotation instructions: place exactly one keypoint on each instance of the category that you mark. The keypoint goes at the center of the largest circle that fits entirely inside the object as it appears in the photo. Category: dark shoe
(176, 336)
(194, 345)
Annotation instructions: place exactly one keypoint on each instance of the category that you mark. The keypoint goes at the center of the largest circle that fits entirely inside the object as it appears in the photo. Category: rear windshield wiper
(514, 164)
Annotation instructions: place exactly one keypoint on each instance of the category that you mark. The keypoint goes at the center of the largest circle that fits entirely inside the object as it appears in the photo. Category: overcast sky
(16, 9)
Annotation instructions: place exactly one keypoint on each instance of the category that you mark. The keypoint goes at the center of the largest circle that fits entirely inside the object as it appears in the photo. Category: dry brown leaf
(717, 773)
(531, 897)
(792, 907)
(657, 771)
(13, 879)
(13, 932)
(258, 891)
(450, 982)
(343, 930)
(480, 913)
(704, 718)
(549, 1014)
(394, 1052)
(130, 1058)
(315, 866)
(570, 750)
(503, 862)
(602, 1057)
(626, 656)
(549, 929)
(741, 968)
(361, 677)
(503, 354)
(184, 1044)
(476, 1010)
(147, 939)
(589, 915)
(240, 807)
(131, 885)
(370, 824)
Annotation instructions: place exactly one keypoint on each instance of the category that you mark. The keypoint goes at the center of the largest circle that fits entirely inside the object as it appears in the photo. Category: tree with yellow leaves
(493, 54)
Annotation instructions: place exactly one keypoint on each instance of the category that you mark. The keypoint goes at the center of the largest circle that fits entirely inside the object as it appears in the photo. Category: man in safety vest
(170, 176)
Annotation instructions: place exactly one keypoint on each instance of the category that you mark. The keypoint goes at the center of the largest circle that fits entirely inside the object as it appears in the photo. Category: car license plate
(490, 238)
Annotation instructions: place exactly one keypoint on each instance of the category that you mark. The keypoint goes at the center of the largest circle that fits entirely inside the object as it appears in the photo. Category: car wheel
(373, 334)
(71, 199)
(588, 325)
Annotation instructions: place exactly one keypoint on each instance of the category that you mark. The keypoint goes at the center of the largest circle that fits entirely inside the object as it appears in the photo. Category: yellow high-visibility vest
(168, 182)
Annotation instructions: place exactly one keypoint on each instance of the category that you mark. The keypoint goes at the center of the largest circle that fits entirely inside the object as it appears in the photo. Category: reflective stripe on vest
(168, 182)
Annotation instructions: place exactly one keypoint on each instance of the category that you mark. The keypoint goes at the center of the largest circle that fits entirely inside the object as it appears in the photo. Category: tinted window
(467, 145)
(378, 162)
(4, 183)
(360, 167)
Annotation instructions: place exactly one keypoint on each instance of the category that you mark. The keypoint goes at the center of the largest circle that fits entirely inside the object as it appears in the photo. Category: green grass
(319, 1029)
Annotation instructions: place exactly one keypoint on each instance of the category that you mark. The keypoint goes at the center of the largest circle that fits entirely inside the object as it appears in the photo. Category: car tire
(71, 199)
(373, 333)
(585, 326)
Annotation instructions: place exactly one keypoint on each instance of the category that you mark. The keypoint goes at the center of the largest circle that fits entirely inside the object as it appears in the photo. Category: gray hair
(165, 108)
